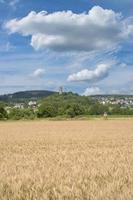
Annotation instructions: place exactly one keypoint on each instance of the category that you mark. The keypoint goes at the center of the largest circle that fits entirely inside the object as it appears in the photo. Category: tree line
(65, 105)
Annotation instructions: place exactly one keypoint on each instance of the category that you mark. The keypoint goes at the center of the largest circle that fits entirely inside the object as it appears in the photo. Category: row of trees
(73, 110)
(66, 105)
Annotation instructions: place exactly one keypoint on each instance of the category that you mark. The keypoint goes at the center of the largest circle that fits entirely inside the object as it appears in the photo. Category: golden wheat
(82, 160)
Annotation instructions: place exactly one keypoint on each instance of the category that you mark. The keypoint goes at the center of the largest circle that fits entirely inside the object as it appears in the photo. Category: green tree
(98, 109)
(47, 110)
(74, 110)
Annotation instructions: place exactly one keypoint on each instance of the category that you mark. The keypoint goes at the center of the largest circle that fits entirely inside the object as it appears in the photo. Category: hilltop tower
(61, 90)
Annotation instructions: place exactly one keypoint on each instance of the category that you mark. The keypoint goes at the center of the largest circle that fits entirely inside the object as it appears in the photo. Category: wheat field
(66, 160)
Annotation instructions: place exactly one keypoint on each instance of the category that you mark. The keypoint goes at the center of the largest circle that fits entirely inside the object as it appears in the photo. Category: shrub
(3, 113)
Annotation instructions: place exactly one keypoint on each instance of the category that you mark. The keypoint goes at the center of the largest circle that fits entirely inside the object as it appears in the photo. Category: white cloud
(11, 3)
(66, 31)
(123, 65)
(38, 73)
(97, 74)
(6, 47)
(92, 91)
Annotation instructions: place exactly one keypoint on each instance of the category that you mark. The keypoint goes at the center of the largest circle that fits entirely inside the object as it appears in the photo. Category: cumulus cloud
(38, 73)
(101, 71)
(66, 31)
(92, 91)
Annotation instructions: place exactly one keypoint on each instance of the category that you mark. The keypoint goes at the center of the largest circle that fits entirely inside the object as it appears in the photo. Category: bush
(3, 113)
(17, 114)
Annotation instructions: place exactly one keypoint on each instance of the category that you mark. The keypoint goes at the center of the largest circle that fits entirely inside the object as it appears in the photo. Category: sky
(86, 46)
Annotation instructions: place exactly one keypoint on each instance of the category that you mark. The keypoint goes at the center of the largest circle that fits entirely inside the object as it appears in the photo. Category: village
(123, 101)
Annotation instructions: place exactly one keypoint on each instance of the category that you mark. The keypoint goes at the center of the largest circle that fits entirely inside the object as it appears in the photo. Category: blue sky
(84, 45)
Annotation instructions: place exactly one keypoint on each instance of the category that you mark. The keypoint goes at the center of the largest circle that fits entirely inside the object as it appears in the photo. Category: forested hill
(26, 95)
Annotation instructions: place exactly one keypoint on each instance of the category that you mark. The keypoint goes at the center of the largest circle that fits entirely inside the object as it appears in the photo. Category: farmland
(83, 160)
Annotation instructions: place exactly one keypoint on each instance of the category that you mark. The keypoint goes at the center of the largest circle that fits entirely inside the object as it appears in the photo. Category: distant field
(66, 160)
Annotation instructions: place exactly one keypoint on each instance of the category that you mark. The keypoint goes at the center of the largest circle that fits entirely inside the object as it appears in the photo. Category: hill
(70, 104)
(26, 95)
